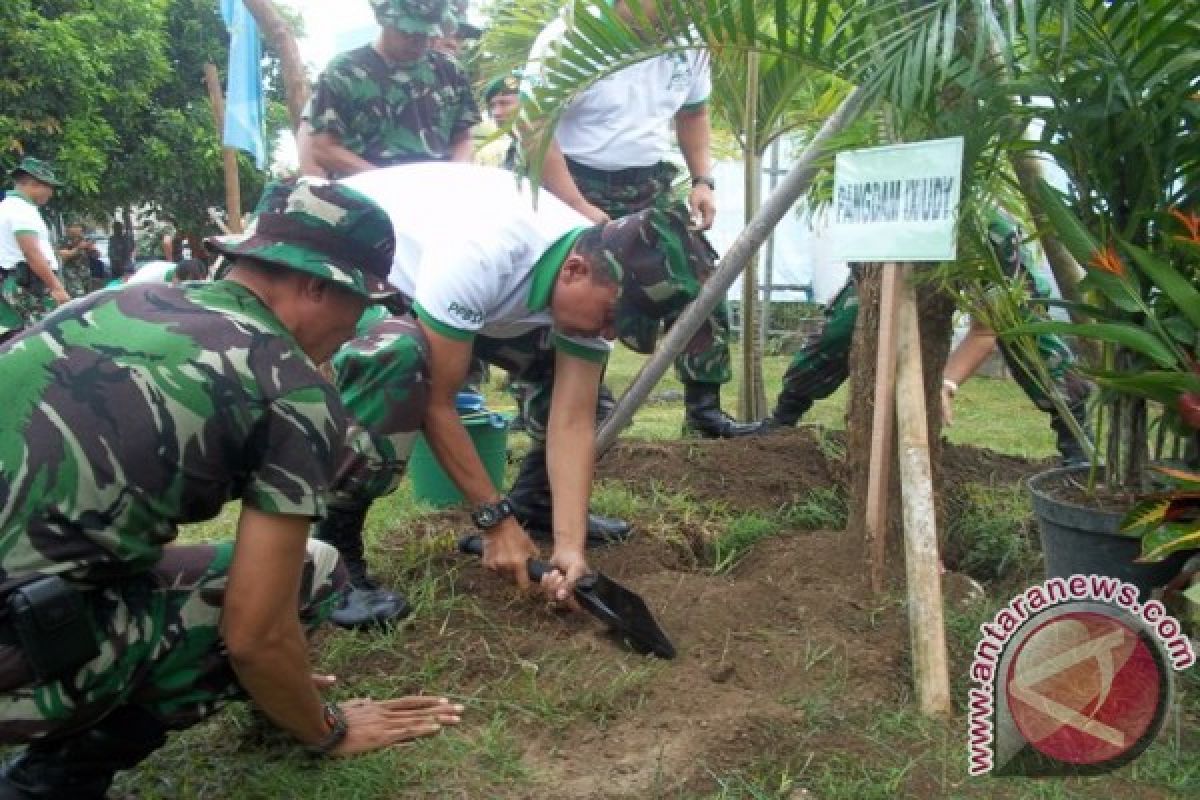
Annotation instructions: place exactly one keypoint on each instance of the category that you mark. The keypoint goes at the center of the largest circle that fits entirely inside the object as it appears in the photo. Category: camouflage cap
(508, 83)
(412, 16)
(325, 229)
(661, 262)
(37, 169)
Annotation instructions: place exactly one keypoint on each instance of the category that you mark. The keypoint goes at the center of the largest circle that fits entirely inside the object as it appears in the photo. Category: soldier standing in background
(27, 262)
(609, 157)
(393, 101)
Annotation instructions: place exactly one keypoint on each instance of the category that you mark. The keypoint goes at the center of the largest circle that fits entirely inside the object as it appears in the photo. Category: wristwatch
(489, 515)
(336, 720)
(707, 180)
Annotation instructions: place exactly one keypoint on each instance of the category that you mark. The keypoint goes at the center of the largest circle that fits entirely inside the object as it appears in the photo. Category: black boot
(789, 408)
(704, 418)
(366, 604)
(530, 499)
(1070, 451)
(81, 766)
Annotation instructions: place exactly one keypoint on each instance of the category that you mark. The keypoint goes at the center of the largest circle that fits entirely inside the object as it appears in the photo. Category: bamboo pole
(925, 614)
(879, 470)
(751, 396)
(713, 292)
(233, 188)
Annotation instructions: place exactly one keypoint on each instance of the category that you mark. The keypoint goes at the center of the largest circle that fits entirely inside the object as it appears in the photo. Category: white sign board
(897, 203)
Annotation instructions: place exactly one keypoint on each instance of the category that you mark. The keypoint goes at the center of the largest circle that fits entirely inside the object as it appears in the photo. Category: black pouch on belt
(53, 627)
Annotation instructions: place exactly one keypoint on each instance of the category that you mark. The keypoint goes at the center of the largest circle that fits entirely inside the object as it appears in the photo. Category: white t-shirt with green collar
(473, 252)
(623, 120)
(19, 215)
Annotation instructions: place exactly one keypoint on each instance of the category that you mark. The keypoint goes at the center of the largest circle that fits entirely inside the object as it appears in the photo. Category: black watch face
(486, 517)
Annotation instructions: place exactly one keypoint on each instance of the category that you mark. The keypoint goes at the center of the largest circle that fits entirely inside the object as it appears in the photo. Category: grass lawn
(535, 712)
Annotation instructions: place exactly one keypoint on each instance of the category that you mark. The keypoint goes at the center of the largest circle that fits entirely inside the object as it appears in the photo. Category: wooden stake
(233, 189)
(922, 566)
(879, 474)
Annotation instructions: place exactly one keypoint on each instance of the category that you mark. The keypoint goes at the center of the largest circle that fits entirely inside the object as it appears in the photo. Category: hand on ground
(372, 725)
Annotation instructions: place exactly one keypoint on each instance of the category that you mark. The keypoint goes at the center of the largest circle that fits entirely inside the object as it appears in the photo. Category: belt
(619, 176)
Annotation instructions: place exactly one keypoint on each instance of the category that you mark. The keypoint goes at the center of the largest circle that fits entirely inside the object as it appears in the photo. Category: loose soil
(785, 660)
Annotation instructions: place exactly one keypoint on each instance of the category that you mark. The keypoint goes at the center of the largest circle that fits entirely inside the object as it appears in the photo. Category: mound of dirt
(766, 472)
(789, 629)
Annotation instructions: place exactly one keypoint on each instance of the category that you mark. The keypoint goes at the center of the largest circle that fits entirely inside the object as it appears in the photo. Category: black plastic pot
(1077, 540)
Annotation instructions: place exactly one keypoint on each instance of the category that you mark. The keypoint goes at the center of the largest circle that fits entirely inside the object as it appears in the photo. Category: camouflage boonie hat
(426, 17)
(37, 169)
(661, 262)
(325, 229)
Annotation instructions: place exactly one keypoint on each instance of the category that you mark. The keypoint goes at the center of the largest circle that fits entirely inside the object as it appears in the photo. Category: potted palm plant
(1143, 310)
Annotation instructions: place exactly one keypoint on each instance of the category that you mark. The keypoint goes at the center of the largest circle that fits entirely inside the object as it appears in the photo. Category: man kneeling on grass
(132, 411)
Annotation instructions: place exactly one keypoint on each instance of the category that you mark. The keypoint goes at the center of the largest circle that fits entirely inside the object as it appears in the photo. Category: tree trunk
(935, 312)
(282, 40)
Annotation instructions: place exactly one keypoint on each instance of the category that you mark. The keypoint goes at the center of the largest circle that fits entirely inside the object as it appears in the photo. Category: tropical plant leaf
(1125, 335)
(1188, 480)
(1145, 515)
(1074, 236)
(1170, 538)
(1120, 291)
(1161, 387)
(1165, 277)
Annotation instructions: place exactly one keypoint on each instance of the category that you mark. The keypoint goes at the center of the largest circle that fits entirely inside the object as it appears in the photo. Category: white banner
(898, 203)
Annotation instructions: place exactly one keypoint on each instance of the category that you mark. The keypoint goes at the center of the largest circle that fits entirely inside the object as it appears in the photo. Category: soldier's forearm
(335, 159)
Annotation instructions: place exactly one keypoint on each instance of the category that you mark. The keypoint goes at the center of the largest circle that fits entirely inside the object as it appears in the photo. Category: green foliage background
(112, 91)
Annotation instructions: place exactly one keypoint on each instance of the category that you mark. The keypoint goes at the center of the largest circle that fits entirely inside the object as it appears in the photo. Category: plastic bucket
(489, 434)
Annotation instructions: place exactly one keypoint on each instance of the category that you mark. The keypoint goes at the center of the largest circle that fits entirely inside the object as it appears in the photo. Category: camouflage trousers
(383, 379)
(160, 646)
(821, 366)
(618, 196)
(20, 307)
(77, 276)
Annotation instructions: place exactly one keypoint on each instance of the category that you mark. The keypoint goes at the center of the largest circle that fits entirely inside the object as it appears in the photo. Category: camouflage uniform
(395, 113)
(134, 411)
(96, 482)
(77, 273)
(822, 365)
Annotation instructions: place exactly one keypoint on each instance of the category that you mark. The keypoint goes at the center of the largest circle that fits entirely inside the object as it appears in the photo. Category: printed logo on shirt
(468, 315)
(681, 72)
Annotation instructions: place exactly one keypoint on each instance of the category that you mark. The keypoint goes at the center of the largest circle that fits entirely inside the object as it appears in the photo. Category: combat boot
(704, 418)
(531, 503)
(366, 604)
(789, 408)
(82, 766)
(1070, 451)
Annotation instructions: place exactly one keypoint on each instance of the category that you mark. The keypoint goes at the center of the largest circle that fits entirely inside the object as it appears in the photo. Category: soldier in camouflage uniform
(394, 101)
(29, 281)
(531, 290)
(822, 365)
(609, 158)
(133, 411)
(76, 262)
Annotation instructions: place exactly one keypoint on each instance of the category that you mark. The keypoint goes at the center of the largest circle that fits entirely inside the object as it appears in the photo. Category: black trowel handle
(472, 544)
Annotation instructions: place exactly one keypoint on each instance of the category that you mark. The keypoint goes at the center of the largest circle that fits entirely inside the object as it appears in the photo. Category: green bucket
(489, 434)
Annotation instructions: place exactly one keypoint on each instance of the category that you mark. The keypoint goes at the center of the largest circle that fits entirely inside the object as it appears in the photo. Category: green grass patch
(989, 531)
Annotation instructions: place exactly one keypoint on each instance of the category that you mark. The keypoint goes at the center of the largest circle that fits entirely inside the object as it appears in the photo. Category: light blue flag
(244, 99)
